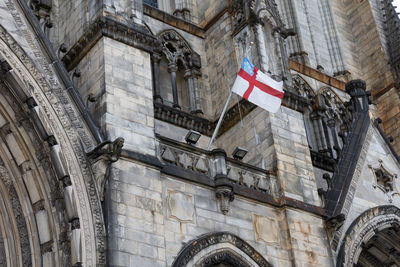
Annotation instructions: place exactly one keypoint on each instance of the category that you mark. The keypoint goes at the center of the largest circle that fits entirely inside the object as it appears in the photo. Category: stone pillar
(190, 90)
(262, 53)
(315, 117)
(172, 69)
(279, 66)
(333, 137)
(156, 58)
(197, 97)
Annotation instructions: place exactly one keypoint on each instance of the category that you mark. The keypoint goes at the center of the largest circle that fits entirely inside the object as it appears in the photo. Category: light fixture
(192, 137)
(239, 153)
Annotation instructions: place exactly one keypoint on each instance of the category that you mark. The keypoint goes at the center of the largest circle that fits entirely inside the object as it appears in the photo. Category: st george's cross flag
(258, 87)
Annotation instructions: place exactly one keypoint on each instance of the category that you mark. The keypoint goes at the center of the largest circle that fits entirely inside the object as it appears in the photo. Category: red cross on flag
(258, 87)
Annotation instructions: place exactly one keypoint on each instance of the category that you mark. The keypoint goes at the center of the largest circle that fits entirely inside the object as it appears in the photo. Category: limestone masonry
(97, 98)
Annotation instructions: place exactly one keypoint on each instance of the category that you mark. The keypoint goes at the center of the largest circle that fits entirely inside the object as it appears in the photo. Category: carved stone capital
(172, 67)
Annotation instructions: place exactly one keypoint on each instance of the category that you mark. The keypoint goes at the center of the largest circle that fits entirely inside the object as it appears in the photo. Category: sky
(397, 3)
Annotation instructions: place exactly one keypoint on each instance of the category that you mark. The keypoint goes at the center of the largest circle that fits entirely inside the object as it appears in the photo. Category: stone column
(190, 90)
(172, 69)
(315, 125)
(279, 52)
(334, 137)
(260, 43)
(156, 58)
(197, 95)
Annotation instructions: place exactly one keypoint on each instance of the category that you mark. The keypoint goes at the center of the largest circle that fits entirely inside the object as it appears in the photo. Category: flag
(258, 88)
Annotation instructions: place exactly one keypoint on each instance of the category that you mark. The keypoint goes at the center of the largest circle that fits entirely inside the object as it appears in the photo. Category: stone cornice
(232, 116)
(109, 26)
(204, 179)
(173, 21)
(317, 75)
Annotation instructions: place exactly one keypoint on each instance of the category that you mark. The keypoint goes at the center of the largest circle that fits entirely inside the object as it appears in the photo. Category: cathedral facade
(107, 108)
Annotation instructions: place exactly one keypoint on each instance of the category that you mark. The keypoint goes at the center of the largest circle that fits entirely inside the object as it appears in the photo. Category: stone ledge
(173, 21)
(110, 26)
(204, 179)
(317, 75)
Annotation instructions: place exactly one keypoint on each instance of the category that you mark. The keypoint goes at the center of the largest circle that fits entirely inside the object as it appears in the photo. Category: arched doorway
(382, 249)
(220, 249)
(50, 213)
(373, 239)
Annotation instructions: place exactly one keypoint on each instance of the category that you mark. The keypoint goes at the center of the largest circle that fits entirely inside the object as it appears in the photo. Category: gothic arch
(179, 67)
(176, 48)
(267, 11)
(219, 247)
(43, 165)
(362, 229)
(303, 88)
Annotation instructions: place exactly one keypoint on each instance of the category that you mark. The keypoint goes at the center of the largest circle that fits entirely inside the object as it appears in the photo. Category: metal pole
(220, 120)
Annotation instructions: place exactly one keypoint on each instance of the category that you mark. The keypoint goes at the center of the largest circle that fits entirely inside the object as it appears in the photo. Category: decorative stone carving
(256, 180)
(180, 206)
(184, 159)
(362, 229)
(266, 229)
(18, 213)
(101, 158)
(222, 258)
(225, 196)
(334, 223)
(42, 79)
(384, 180)
(178, 52)
(192, 248)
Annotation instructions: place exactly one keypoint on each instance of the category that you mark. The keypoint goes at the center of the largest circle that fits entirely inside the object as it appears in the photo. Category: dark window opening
(152, 3)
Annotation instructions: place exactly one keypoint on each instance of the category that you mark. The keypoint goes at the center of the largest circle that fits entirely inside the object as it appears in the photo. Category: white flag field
(258, 88)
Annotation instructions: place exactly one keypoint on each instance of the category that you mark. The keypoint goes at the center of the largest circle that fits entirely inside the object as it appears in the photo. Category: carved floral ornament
(384, 180)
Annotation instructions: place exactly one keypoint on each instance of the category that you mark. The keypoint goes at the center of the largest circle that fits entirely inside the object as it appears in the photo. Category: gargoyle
(101, 157)
(110, 151)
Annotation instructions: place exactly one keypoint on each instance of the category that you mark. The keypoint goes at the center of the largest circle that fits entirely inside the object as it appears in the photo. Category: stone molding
(203, 179)
(195, 246)
(108, 26)
(353, 153)
(23, 234)
(363, 227)
(45, 87)
(173, 21)
(201, 161)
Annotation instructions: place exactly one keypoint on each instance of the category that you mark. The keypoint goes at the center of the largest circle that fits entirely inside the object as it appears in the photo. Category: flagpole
(226, 105)
(220, 120)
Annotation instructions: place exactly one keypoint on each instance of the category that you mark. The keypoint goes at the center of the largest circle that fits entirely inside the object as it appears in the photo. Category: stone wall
(153, 215)
(362, 44)
(71, 19)
(389, 109)
(277, 142)
(128, 101)
(369, 193)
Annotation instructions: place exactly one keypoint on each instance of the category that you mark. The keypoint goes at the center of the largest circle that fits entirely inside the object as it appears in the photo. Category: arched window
(176, 72)
(327, 119)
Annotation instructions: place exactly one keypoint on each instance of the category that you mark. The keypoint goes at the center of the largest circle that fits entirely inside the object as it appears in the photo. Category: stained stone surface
(180, 206)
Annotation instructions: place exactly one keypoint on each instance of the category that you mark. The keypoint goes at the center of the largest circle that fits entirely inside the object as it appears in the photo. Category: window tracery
(327, 120)
(176, 69)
